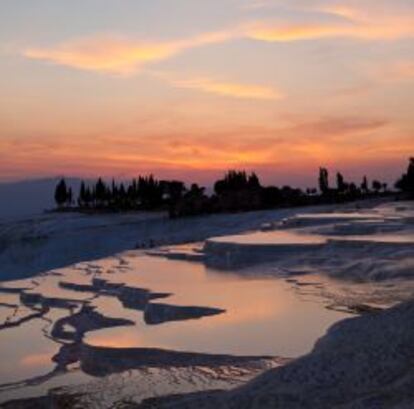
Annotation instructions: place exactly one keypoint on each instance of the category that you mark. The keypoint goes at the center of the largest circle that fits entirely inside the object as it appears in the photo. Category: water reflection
(25, 352)
(263, 316)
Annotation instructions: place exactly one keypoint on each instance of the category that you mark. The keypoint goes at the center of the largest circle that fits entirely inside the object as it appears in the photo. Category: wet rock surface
(364, 362)
(87, 319)
(156, 313)
(127, 389)
(101, 361)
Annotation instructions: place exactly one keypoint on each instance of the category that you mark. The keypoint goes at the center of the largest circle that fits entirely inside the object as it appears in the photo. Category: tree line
(236, 191)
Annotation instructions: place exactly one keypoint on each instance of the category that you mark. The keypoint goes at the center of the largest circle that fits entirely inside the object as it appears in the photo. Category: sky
(190, 88)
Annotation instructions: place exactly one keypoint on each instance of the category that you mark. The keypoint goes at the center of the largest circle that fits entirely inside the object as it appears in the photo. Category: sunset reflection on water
(263, 316)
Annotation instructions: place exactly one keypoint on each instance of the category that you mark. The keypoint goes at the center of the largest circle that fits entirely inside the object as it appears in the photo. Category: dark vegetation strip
(238, 191)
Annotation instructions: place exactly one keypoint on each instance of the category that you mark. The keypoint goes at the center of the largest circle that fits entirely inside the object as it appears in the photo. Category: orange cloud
(99, 54)
(123, 55)
(229, 89)
(351, 20)
(387, 29)
(272, 33)
(117, 54)
(321, 140)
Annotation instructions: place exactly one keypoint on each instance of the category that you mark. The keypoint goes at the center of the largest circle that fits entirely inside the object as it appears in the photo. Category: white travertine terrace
(323, 235)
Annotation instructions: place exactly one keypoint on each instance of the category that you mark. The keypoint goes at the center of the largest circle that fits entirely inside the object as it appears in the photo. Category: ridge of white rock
(373, 245)
(364, 362)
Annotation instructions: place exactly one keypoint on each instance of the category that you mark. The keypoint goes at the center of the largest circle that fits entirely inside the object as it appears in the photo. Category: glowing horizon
(189, 89)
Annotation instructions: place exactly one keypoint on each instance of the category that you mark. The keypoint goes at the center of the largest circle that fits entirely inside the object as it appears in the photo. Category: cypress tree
(100, 192)
(323, 180)
(82, 195)
(406, 182)
(61, 193)
(340, 183)
(364, 185)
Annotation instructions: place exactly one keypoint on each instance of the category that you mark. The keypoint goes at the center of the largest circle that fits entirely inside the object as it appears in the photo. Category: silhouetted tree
(100, 192)
(340, 183)
(353, 190)
(376, 185)
(82, 195)
(323, 180)
(311, 191)
(61, 193)
(232, 181)
(406, 182)
(89, 197)
(253, 181)
(291, 196)
(236, 191)
(193, 202)
(272, 196)
(172, 190)
(237, 181)
(122, 191)
(364, 185)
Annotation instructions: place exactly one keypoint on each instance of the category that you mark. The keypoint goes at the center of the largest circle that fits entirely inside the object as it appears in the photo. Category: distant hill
(28, 197)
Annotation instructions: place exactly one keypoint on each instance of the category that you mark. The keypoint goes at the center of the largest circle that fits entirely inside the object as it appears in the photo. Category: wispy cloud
(277, 32)
(120, 55)
(116, 54)
(357, 19)
(352, 26)
(229, 89)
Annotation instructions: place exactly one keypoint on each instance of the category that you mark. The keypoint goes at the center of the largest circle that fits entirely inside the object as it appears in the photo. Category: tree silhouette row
(236, 191)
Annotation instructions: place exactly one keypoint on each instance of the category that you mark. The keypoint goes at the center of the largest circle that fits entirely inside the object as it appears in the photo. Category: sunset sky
(189, 88)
